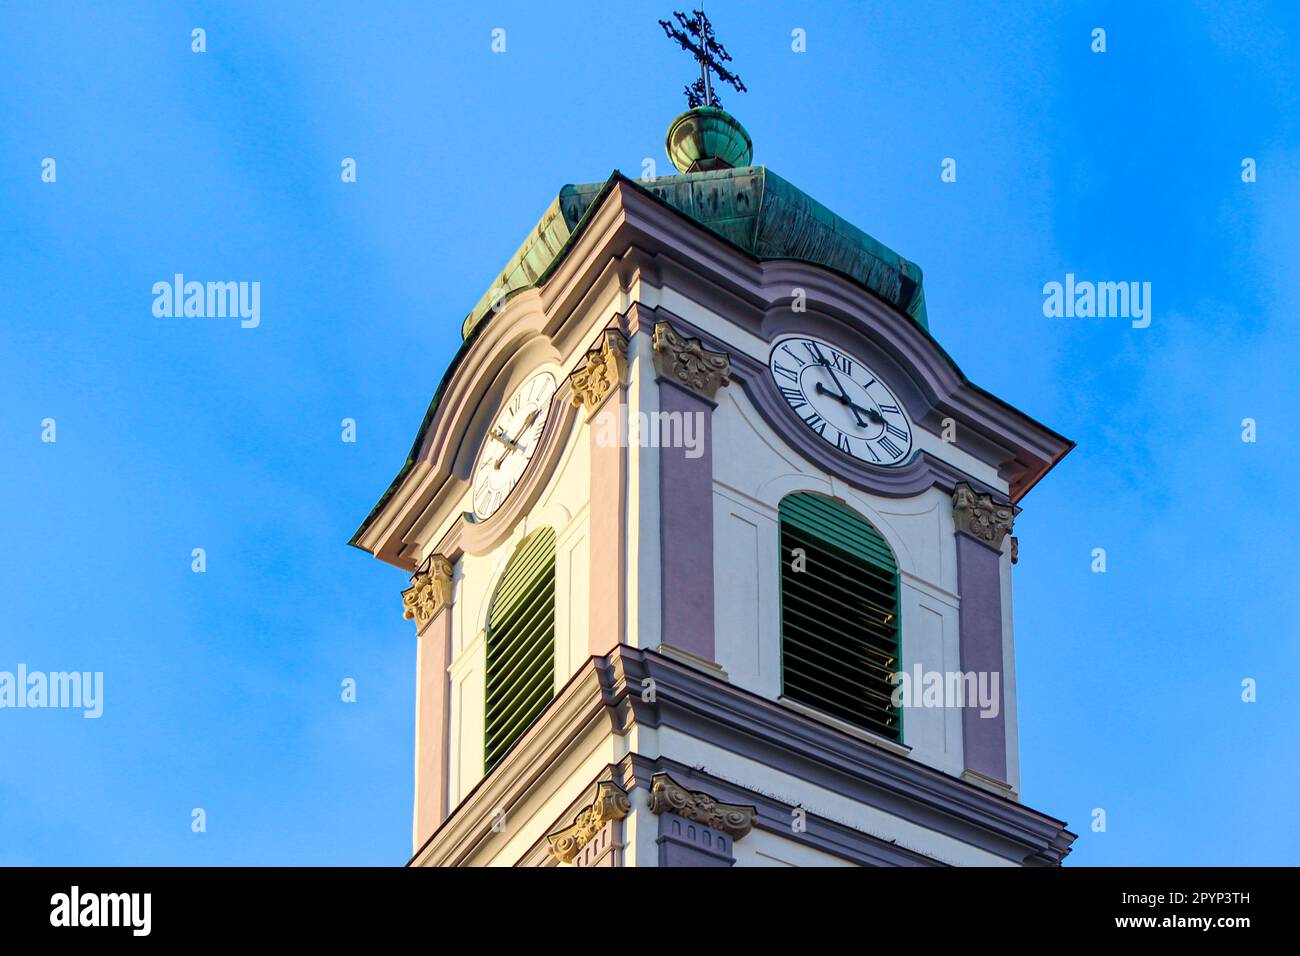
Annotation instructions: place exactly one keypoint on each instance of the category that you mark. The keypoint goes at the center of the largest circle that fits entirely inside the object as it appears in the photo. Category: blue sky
(222, 689)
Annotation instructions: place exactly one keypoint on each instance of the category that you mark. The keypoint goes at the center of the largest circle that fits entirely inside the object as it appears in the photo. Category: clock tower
(709, 547)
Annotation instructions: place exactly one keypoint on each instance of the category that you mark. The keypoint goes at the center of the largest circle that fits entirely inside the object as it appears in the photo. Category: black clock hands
(843, 396)
(874, 416)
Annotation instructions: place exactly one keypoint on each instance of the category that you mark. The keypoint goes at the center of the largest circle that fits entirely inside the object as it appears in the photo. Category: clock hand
(874, 416)
(514, 443)
(843, 396)
(500, 435)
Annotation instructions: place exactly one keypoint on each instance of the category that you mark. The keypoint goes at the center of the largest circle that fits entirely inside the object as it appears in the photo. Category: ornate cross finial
(696, 38)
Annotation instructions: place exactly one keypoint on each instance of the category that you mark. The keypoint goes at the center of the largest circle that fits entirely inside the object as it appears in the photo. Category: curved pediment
(487, 368)
(631, 250)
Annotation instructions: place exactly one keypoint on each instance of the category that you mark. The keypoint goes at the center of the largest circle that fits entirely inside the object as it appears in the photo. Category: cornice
(734, 719)
(581, 706)
(630, 238)
(606, 696)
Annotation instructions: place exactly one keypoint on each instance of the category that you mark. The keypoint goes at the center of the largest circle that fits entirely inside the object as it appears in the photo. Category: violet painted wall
(979, 586)
(686, 526)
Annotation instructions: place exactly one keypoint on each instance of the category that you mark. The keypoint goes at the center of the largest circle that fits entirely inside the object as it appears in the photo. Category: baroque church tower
(709, 547)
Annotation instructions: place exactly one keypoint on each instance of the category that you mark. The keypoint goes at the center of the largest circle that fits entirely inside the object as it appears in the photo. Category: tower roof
(751, 207)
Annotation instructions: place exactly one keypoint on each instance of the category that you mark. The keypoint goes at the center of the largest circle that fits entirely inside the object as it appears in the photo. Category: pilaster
(689, 377)
(981, 527)
(428, 602)
(600, 388)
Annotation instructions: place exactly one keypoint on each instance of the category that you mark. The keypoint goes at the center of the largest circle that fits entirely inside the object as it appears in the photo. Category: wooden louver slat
(839, 614)
(520, 646)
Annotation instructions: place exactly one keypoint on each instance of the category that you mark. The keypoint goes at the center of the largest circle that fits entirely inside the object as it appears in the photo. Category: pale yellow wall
(562, 506)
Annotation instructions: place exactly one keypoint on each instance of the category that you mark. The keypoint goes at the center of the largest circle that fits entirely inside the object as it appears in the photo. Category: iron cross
(696, 37)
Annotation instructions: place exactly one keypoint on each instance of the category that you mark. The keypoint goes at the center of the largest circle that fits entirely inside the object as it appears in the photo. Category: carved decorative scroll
(604, 370)
(688, 363)
(430, 590)
(668, 796)
(611, 804)
(980, 516)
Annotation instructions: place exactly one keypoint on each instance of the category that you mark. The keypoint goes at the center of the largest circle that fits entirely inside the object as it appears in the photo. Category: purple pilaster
(979, 584)
(686, 520)
(685, 842)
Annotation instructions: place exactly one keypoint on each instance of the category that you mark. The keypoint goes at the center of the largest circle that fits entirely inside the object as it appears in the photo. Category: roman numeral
(843, 442)
(891, 409)
(788, 351)
(895, 431)
(890, 448)
(816, 423)
(782, 370)
(842, 362)
(793, 396)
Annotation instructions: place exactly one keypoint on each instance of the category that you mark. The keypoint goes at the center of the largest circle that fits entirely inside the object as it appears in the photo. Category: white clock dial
(510, 443)
(841, 400)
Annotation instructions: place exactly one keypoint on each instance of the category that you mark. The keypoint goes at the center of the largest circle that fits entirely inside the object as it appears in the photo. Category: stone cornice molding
(688, 363)
(668, 796)
(606, 696)
(611, 803)
(696, 704)
(603, 370)
(632, 240)
(981, 517)
(430, 591)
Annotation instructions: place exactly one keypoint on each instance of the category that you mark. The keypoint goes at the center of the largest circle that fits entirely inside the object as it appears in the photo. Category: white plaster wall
(760, 848)
(753, 471)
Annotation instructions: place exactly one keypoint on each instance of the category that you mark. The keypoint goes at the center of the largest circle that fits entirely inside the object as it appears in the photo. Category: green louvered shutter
(839, 615)
(520, 645)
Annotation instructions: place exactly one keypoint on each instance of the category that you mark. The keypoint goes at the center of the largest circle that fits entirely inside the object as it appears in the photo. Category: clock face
(842, 400)
(511, 440)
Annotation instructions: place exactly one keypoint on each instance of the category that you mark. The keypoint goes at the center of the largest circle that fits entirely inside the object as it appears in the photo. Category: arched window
(520, 645)
(839, 613)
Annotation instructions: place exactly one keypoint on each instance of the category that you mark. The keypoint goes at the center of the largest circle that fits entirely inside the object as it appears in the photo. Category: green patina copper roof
(751, 207)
